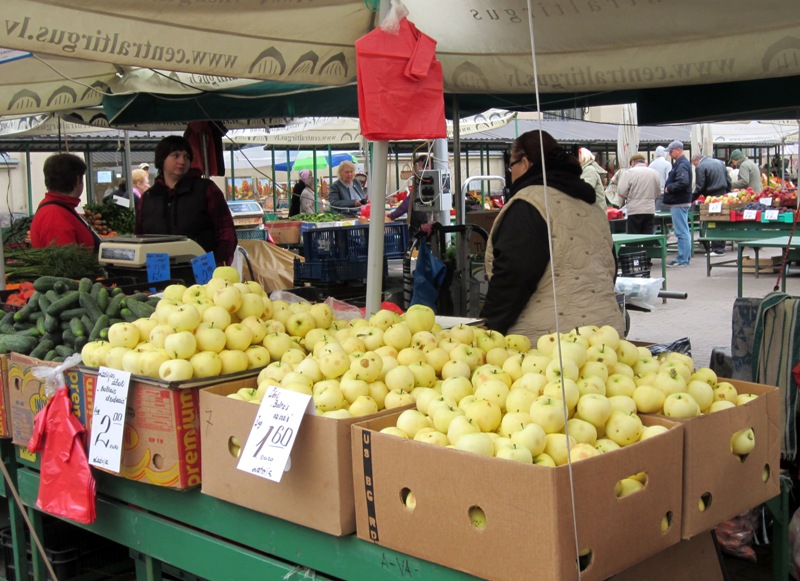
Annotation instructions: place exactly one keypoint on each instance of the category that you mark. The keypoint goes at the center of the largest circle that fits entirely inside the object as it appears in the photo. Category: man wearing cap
(678, 199)
(711, 179)
(749, 175)
(639, 187)
(663, 167)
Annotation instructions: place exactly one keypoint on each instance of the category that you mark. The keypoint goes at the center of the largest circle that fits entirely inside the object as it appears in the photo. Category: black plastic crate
(633, 264)
(352, 242)
(72, 551)
(333, 270)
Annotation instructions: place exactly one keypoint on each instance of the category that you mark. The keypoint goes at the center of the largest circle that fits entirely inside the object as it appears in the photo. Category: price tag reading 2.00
(108, 418)
(274, 430)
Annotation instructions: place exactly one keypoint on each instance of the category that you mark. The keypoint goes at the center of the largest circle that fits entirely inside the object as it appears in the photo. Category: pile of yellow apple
(590, 384)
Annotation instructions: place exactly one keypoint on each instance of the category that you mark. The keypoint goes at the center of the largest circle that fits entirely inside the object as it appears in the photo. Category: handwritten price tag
(749, 214)
(770, 214)
(108, 419)
(274, 430)
(157, 266)
(203, 267)
(765, 201)
(715, 208)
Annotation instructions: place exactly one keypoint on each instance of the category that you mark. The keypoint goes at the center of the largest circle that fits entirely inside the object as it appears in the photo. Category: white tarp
(582, 45)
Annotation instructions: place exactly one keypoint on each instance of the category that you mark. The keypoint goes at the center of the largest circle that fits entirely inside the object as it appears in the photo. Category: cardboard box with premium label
(528, 509)
(317, 490)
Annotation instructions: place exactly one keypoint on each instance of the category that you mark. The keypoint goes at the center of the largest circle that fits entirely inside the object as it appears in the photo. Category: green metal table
(757, 245)
(737, 232)
(654, 244)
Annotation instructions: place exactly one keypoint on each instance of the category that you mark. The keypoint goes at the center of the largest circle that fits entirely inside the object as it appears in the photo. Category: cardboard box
(765, 264)
(284, 232)
(485, 219)
(529, 515)
(5, 409)
(712, 473)
(26, 395)
(316, 492)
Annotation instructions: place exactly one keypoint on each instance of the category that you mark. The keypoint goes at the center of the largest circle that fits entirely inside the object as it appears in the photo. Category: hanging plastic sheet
(429, 277)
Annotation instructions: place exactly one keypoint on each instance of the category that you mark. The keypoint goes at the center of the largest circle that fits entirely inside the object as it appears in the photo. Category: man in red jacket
(57, 221)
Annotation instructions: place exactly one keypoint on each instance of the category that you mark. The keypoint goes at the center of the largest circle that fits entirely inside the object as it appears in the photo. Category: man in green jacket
(749, 174)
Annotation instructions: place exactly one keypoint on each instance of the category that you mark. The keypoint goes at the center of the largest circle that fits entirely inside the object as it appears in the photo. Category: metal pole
(274, 188)
(376, 179)
(455, 187)
(128, 171)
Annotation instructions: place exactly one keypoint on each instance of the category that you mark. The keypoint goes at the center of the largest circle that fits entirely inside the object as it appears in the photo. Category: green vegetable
(102, 323)
(128, 315)
(18, 343)
(76, 326)
(46, 283)
(114, 306)
(42, 348)
(63, 350)
(88, 303)
(68, 300)
(85, 285)
(70, 314)
(40, 326)
(140, 309)
(50, 323)
(102, 298)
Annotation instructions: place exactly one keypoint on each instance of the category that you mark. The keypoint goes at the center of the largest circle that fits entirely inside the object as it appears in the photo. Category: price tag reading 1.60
(108, 418)
(274, 430)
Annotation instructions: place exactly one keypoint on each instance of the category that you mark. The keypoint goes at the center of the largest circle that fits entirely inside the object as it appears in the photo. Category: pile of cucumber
(62, 315)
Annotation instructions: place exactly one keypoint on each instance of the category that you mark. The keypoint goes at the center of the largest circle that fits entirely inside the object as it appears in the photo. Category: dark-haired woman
(518, 259)
(182, 202)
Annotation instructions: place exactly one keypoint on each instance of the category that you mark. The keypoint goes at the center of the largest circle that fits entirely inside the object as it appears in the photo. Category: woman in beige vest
(522, 297)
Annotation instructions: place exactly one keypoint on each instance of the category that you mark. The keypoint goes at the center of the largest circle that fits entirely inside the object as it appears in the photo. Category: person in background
(416, 219)
(57, 221)
(678, 198)
(141, 183)
(593, 174)
(121, 191)
(639, 188)
(182, 202)
(346, 196)
(519, 265)
(297, 191)
(749, 174)
(711, 179)
(307, 195)
(145, 166)
(662, 167)
(362, 179)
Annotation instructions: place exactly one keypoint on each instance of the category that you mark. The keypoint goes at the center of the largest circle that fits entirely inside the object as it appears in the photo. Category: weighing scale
(246, 213)
(127, 255)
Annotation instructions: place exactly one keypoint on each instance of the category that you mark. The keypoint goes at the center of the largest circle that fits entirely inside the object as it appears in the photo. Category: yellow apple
(124, 335)
(650, 431)
(364, 405)
(486, 414)
(649, 399)
(206, 364)
(548, 413)
(532, 436)
(583, 431)
(743, 442)
(476, 443)
(238, 337)
(232, 361)
(397, 398)
(623, 428)
(517, 453)
(229, 298)
(329, 398)
(176, 370)
(181, 345)
(322, 314)
(557, 447)
(582, 451)
(412, 421)
(257, 356)
(228, 273)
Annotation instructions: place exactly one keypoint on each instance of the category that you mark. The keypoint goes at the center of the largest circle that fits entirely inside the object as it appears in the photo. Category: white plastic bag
(343, 311)
(640, 292)
(53, 377)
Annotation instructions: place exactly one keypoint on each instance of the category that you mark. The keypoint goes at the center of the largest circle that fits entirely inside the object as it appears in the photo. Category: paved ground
(705, 316)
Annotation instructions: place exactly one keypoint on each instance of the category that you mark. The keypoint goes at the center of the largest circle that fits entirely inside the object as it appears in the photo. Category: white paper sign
(274, 430)
(765, 201)
(770, 214)
(749, 214)
(108, 418)
(715, 207)
(124, 202)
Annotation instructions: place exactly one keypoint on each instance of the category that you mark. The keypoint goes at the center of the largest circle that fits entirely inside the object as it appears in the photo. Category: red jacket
(55, 224)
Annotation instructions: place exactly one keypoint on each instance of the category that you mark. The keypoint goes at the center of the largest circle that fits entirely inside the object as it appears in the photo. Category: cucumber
(7, 329)
(138, 297)
(23, 313)
(19, 343)
(51, 323)
(8, 319)
(88, 303)
(63, 350)
(50, 354)
(54, 337)
(68, 337)
(52, 296)
(60, 287)
(140, 309)
(46, 283)
(95, 289)
(128, 315)
(40, 326)
(35, 316)
(70, 314)
(103, 299)
(29, 332)
(79, 344)
(85, 285)
(103, 323)
(76, 326)
(87, 324)
(66, 301)
(114, 306)
(42, 348)
(43, 302)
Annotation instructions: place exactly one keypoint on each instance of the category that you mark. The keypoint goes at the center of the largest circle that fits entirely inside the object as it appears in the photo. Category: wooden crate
(766, 264)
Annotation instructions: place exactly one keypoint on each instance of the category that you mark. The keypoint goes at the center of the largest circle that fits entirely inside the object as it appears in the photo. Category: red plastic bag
(66, 486)
(400, 85)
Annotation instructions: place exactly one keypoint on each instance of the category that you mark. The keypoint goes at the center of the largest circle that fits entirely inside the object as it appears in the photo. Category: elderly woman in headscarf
(592, 174)
(301, 186)
(307, 195)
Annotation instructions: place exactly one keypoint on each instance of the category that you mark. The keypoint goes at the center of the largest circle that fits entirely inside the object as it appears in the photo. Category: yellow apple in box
(424, 374)
(239, 337)
(275, 371)
(441, 401)
(228, 273)
(232, 361)
(124, 335)
(174, 292)
(397, 398)
(176, 370)
(679, 366)
(400, 378)
(623, 428)
(723, 391)
(649, 399)
(575, 352)
(459, 426)
(620, 368)
(582, 431)
(378, 391)
(322, 314)
(299, 324)
(489, 371)
(594, 369)
(341, 414)
(364, 405)
(292, 356)
(151, 362)
(352, 387)
(702, 393)
(626, 487)
(397, 336)
(328, 398)
(566, 368)
(257, 356)
(486, 414)
(443, 416)
(368, 367)
(519, 399)
(229, 298)
(132, 362)
(493, 390)
(513, 422)
(372, 337)
(474, 357)
(516, 453)
(650, 431)
(412, 421)
(394, 431)
(454, 368)
(457, 388)
(544, 460)
(145, 325)
(546, 344)
(476, 443)
(622, 403)
(602, 353)
(564, 389)
(252, 306)
(432, 437)
(532, 436)
(594, 408)
(556, 446)
(419, 318)
(548, 412)
(206, 364)
(384, 319)
(582, 451)
(743, 398)
(209, 338)
(333, 365)
(464, 334)
(277, 344)
(181, 345)
(88, 353)
(604, 445)
(627, 352)
(607, 335)
(518, 342)
(706, 375)
(591, 384)
(670, 380)
(743, 442)
(535, 364)
(217, 316)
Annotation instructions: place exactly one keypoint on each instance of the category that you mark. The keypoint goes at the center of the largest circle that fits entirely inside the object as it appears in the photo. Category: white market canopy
(83, 49)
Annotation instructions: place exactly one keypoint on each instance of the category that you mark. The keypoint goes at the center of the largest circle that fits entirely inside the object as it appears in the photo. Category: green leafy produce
(17, 231)
(115, 217)
(321, 217)
(71, 261)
